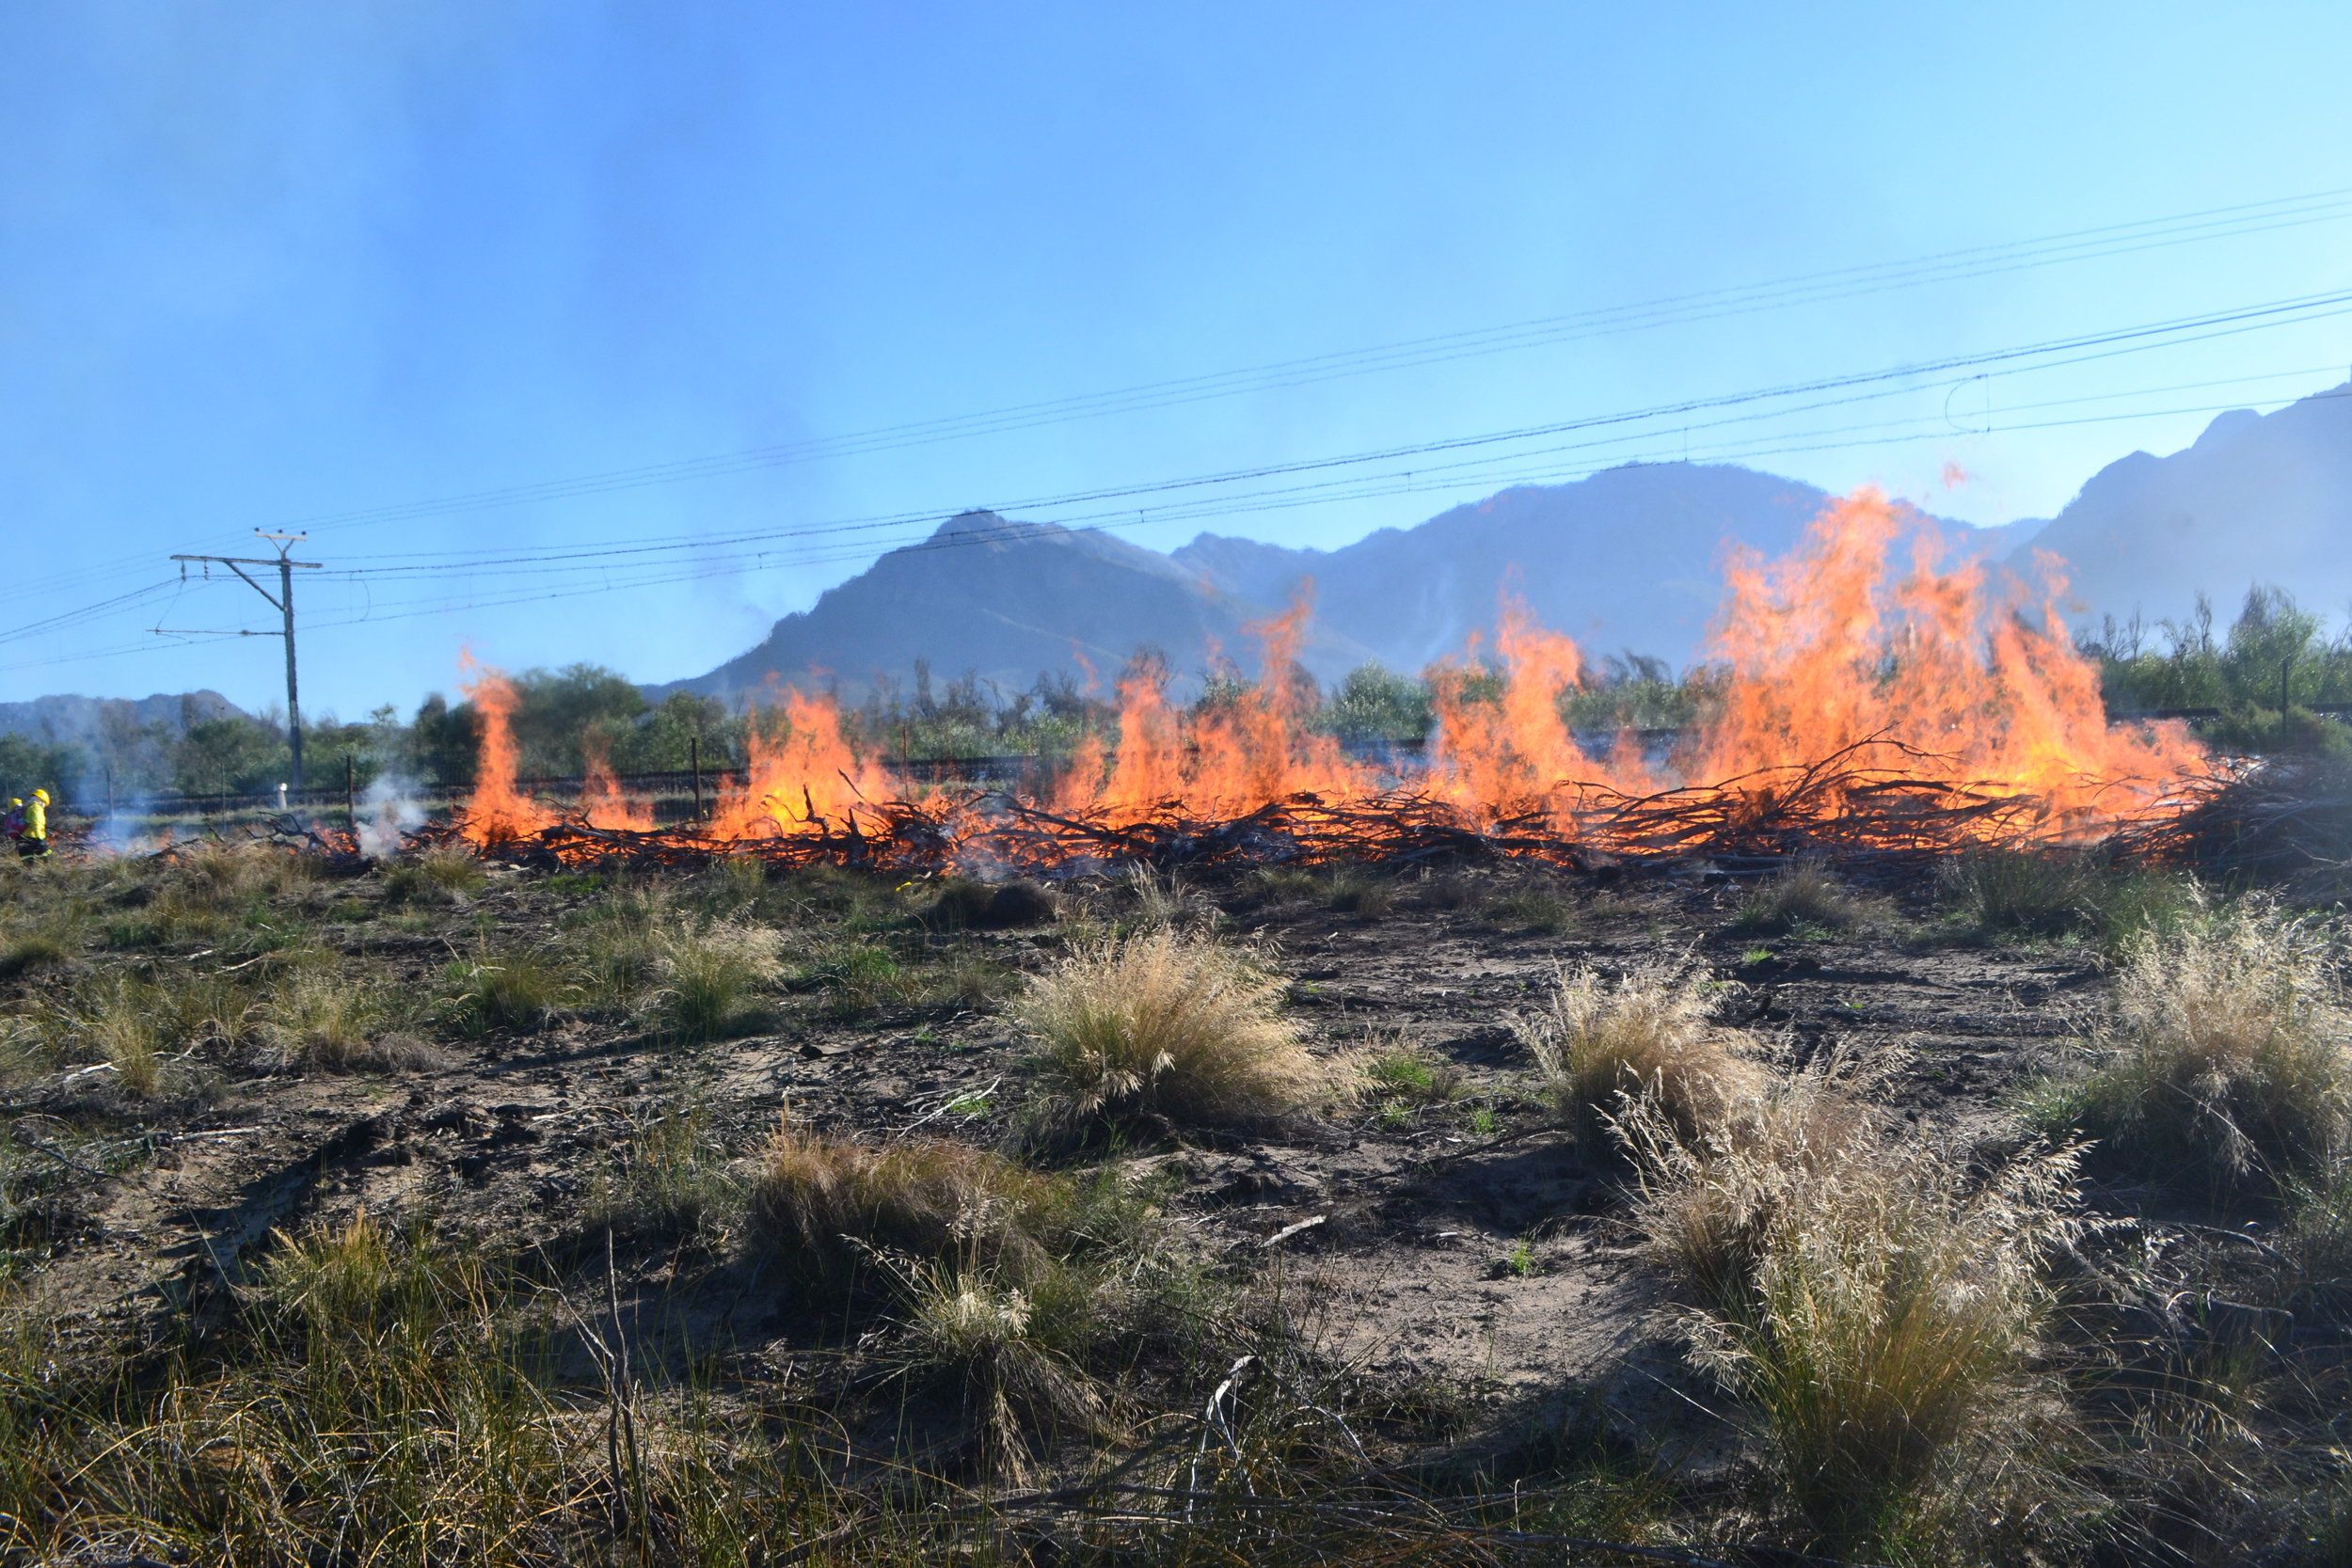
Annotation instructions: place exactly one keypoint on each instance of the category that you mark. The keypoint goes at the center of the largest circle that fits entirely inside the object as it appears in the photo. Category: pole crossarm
(282, 602)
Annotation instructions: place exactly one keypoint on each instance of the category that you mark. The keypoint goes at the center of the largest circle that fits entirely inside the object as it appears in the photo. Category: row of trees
(2262, 676)
(2265, 675)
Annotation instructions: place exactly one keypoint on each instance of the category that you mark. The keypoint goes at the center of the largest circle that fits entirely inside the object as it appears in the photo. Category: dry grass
(2229, 1052)
(443, 875)
(1801, 896)
(227, 874)
(1166, 1024)
(322, 1018)
(1650, 1032)
(520, 991)
(987, 1343)
(669, 1180)
(1881, 1310)
(121, 1023)
(706, 975)
(824, 1203)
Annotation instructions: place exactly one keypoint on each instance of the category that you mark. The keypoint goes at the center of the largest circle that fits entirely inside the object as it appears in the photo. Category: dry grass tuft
(1881, 1310)
(1170, 1025)
(227, 874)
(324, 1018)
(2230, 1052)
(1804, 896)
(987, 1343)
(123, 1024)
(705, 976)
(1649, 1033)
(824, 1202)
(444, 875)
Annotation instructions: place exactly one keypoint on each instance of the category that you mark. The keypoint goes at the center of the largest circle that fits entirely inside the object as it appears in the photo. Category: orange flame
(1821, 655)
(807, 782)
(601, 801)
(1939, 681)
(498, 812)
(1247, 750)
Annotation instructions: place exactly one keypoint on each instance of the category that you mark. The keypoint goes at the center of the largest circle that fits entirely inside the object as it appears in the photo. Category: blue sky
(263, 263)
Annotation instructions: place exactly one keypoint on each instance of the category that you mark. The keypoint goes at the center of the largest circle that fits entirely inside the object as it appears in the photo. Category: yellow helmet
(13, 801)
(41, 795)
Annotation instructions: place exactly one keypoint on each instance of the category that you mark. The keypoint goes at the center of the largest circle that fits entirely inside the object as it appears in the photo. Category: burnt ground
(1438, 1249)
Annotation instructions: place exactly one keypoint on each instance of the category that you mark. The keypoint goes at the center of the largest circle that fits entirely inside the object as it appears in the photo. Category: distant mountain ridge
(1627, 561)
(2256, 499)
(71, 719)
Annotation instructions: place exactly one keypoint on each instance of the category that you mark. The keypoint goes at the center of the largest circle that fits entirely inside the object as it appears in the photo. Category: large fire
(1853, 702)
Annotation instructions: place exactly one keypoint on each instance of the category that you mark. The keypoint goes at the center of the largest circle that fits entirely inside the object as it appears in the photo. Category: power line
(1014, 532)
(2200, 225)
(2084, 348)
(2321, 207)
(283, 603)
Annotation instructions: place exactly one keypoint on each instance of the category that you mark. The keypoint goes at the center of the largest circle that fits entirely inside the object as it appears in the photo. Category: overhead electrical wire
(1012, 531)
(2328, 206)
(2104, 344)
(1846, 282)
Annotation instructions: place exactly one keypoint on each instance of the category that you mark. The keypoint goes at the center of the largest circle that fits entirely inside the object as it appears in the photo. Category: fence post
(350, 795)
(110, 791)
(694, 757)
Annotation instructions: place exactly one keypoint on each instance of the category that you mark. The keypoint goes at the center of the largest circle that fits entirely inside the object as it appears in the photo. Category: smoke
(387, 811)
(127, 830)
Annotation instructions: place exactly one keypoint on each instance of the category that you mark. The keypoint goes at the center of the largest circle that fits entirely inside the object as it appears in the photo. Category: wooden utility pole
(282, 601)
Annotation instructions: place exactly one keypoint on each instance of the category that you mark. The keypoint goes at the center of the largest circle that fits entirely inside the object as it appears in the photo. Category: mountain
(2258, 498)
(1007, 601)
(1627, 561)
(79, 721)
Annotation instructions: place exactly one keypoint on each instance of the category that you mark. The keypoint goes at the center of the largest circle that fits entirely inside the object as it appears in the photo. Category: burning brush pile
(1860, 711)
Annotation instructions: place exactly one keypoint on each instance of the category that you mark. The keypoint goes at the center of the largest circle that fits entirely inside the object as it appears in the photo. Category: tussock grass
(522, 992)
(1650, 1032)
(824, 1202)
(440, 876)
(322, 1018)
(964, 904)
(857, 979)
(1359, 890)
(2229, 1052)
(671, 1179)
(1169, 1024)
(988, 1345)
(226, 876)
(706, 975)
(1804, 896)
(2046, 893)
(120, 1022)
(2014, 892)
(611, 951)
(1880, 1309)
(48, 946)
(1537, 911)
(1164, 899)
(1399, 1070)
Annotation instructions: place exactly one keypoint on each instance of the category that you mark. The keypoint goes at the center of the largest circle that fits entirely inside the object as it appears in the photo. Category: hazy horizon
(265, 264)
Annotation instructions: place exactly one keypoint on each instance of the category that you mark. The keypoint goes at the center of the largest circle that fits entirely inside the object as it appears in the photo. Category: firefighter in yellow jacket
(34, 840)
